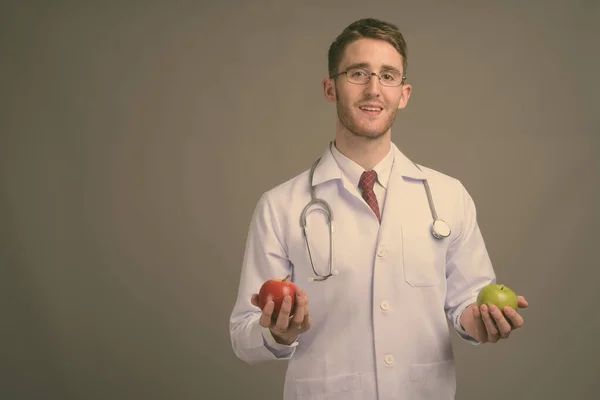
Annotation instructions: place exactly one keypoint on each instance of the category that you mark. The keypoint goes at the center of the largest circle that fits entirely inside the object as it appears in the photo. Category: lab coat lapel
(404, 167)
(403, 177)
(328, 170)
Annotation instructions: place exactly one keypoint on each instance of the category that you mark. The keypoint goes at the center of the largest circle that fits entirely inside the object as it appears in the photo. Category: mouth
(371, 109)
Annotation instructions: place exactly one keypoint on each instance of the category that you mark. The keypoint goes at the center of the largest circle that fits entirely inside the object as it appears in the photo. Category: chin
(358, 127)
(371, 132)
(374, 135)
(368, 135)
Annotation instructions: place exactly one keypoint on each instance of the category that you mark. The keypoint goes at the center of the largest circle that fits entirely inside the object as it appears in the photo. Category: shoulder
(437, 180)
(441, 179)
(281, 196)
(291, 187)
(449, 189)
(279, 208)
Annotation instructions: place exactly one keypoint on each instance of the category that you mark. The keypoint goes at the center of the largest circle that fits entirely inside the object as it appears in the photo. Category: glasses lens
(357, 75)
(390, 78)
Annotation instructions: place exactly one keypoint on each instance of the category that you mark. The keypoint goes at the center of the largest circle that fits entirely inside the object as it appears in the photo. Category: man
(377, 326)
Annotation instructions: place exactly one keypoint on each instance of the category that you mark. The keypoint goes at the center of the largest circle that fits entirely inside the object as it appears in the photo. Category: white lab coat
(380, 327)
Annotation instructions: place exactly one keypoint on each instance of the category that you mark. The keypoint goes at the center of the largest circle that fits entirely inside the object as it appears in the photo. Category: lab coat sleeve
(264, 258)
(468, 267)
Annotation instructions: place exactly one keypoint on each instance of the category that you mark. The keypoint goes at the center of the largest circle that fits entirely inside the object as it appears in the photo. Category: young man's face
(368, 110)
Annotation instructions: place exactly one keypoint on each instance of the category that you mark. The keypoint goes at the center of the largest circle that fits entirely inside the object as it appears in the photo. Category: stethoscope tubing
(439, 227)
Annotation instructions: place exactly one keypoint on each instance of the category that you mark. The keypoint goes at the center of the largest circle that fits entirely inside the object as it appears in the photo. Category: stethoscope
(439, 228)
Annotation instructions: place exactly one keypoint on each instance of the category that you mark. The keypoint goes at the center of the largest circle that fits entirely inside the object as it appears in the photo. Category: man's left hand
(488, 324)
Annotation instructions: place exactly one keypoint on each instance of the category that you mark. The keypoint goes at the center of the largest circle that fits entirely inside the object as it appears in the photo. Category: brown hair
(366, 28)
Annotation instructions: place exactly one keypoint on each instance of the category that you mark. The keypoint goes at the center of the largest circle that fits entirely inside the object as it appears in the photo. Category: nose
(373, 87)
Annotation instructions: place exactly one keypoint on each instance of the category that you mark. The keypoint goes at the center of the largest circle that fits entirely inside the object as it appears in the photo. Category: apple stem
(288, 276)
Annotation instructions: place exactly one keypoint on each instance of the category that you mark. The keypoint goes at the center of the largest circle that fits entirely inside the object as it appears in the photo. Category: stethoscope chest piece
(440, 229)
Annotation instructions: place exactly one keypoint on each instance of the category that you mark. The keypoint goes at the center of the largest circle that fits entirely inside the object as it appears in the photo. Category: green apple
(498, 295)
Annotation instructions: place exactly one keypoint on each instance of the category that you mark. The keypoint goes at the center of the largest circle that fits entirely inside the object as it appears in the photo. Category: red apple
(276, 290)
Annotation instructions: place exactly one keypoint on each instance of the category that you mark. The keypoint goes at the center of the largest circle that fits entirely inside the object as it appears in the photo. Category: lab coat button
(385, 305)
(381, 251)
(389, 359)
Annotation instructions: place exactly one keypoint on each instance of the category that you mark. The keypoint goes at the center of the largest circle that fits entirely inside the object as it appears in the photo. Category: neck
(365, 151)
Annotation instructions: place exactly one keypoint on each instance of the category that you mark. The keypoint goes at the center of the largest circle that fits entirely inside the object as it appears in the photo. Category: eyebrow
(366, 65)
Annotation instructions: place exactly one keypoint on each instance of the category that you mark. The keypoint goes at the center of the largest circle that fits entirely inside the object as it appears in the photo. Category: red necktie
(367, 180)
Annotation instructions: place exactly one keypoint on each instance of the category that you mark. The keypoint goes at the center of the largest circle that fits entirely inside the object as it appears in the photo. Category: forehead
(372, 53)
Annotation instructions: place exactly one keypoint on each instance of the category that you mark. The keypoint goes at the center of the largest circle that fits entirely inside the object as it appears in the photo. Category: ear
(329, 89)
(406, 91)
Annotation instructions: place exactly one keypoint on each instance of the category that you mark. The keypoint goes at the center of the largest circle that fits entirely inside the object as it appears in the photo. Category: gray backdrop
(136, 139)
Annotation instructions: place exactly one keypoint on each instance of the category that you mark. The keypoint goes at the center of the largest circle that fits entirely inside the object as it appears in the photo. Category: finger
(301, 309)
(300, 300)
(501, 322)
(283, 319)
(490, 326)
(513, 316)
(480, 331)
(306, 324)
(265, 318)
(254, 300)
(522, 302)
(307, 321)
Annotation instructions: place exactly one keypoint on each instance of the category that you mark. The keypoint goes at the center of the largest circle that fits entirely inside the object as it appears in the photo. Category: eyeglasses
(361, 76)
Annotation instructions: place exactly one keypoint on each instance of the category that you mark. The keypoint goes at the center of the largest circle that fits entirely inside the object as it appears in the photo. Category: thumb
(522, 303)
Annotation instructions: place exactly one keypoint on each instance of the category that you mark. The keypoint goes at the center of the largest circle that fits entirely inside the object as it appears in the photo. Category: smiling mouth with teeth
(374, 110)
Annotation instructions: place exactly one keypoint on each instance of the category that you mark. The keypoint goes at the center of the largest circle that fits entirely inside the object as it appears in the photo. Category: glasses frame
(369, 74)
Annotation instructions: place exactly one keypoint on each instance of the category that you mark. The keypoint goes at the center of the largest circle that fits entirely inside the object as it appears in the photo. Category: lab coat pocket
(345, 387)
(433, 381)
(424, 258)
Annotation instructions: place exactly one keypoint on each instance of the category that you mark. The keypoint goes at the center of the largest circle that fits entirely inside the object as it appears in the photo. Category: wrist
(464, 317)
(282, 339)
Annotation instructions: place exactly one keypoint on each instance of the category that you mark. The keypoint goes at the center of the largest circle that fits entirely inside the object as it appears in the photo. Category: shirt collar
(353, 171)
(328, 168)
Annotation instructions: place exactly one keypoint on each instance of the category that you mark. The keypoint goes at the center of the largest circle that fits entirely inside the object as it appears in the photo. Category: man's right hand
(285, 329)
